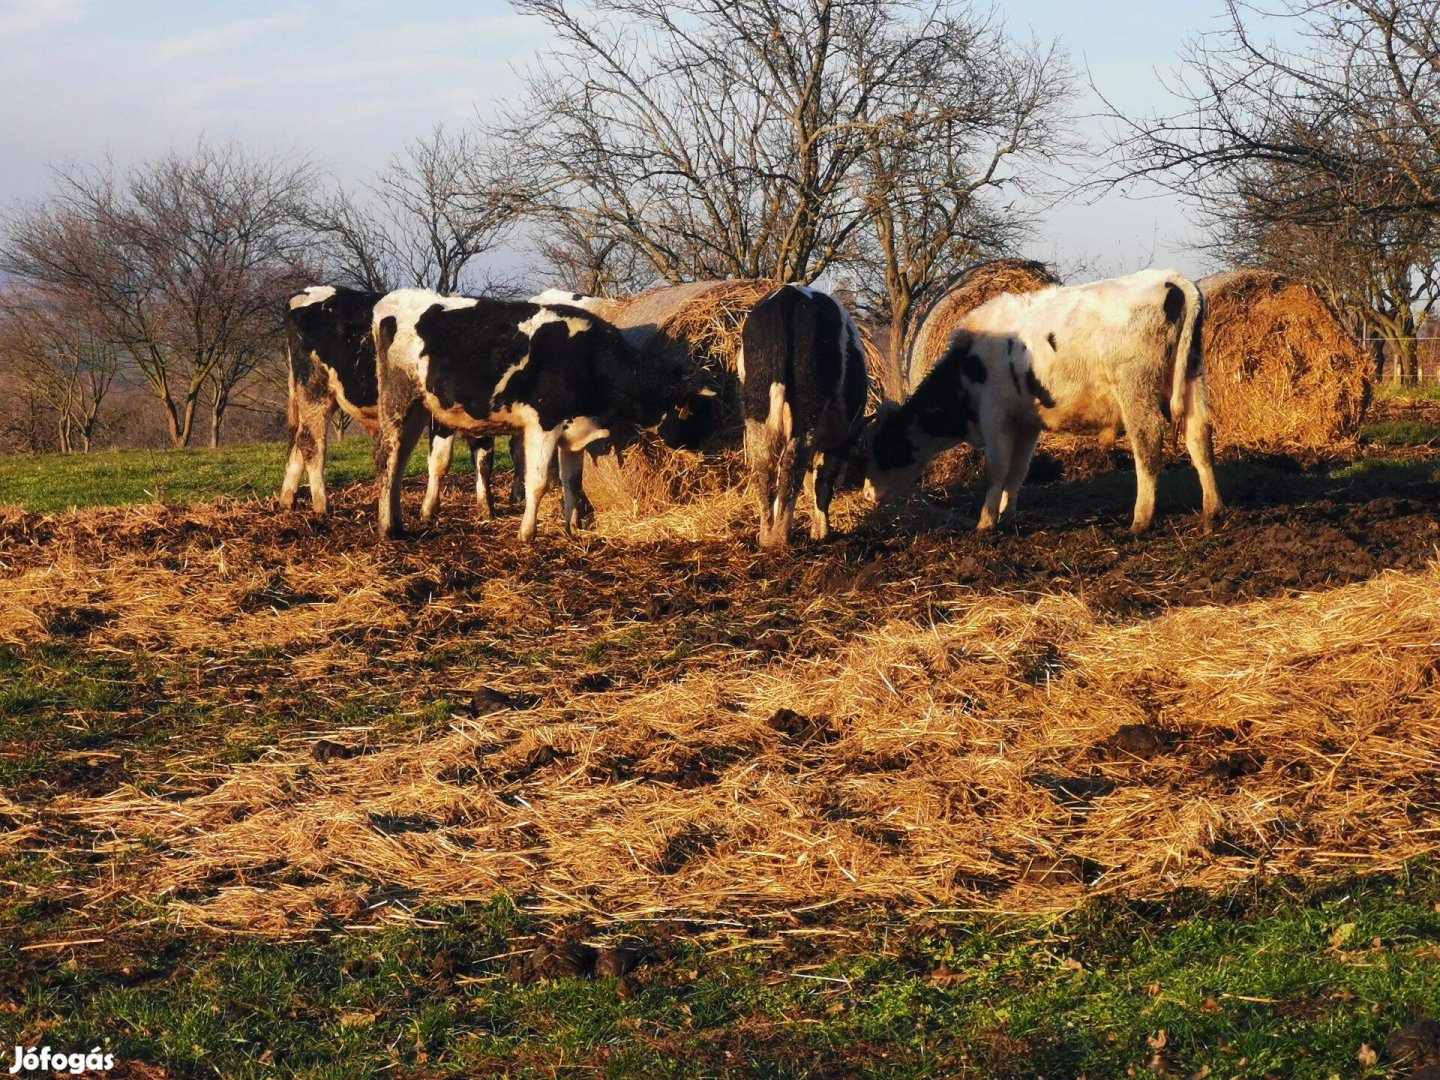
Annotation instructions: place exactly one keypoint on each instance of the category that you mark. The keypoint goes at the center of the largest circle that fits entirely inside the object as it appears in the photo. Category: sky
(348, 83)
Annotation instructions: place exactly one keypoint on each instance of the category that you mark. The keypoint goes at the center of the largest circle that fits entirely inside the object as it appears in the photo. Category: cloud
(228, 36)
(24, 16)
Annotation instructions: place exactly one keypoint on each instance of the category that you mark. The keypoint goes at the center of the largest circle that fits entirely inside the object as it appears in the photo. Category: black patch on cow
(1009, 346)
(1038, 392)
(942, 405)
(337, 331)
(1174, 302)
(589, 372)
(1050, 337)
(1014, 377)
(891, 444)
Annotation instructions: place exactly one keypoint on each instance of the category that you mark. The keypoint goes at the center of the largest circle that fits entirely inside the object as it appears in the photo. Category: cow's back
(803, 340)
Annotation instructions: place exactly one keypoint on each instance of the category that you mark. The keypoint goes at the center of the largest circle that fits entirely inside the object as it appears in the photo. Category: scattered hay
(1282, 371)
(963, 749)
(972, 287)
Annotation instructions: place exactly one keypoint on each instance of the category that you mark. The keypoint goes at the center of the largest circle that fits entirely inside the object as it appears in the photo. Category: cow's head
(893, 458)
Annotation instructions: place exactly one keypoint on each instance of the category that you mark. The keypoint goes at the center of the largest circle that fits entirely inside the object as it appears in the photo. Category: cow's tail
(1189, 362)
(292, 416)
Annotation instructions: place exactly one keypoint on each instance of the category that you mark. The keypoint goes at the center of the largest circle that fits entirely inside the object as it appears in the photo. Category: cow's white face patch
(315, 294)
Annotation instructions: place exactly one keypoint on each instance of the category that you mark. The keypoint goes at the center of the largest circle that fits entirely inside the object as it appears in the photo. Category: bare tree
(182, 257)
(572, 255)
(1320, 158)
(1354, 106)
(971, 101)
(1381, 274)
(704, 138)
(439, 205)
(54, 346)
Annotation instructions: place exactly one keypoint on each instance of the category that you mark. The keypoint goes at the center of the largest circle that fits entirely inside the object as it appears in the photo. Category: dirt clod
(559, 960)
(1140, 740)
(324, 751)
(1415, 1045)
(613, 961)
(1062, 870)
(487, 699)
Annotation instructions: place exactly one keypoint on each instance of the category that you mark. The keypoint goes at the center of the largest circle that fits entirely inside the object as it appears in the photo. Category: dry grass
(966, 750)
(1282, 371)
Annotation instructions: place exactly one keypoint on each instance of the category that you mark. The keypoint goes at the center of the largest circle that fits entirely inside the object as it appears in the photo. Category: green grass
(1402, 433)
(43, 483)
(1277, 984)
(1389, 391)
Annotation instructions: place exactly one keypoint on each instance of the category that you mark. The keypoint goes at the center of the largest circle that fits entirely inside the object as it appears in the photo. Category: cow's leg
(540, 447)
(393, 447)
(759, 453)
(1200, 442)
(1145, 426)
(309, 422)
(828, 464)
(999, 447)
(572, 471)
(584, 511)
(1022, 449)
(442, 452)
(790, 469)
(482, 455)
(517, 468)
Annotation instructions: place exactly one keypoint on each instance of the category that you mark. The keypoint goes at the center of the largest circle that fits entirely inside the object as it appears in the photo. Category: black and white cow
(1123, 353)
(803, 384)
(330, 339)
(559, 374)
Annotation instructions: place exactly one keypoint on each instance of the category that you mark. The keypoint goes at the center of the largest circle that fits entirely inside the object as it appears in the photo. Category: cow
(1123, 353)
(802, 387)
(605, 308)
(559, 374)
(331, 347)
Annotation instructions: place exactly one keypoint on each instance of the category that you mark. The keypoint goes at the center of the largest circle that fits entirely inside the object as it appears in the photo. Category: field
(276, 799)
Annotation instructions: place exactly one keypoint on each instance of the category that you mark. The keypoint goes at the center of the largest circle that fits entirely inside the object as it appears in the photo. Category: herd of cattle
(1122, 354)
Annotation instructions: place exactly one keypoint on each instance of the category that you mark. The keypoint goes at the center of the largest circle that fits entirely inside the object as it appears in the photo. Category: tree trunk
(217, 414)
(187, 423)
(894, 377)
(1407, 360)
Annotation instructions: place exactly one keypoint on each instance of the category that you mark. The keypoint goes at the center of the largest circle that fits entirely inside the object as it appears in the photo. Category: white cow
(1122, 353)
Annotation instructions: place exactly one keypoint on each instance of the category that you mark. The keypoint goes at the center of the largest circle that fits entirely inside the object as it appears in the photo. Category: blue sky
(349, 83)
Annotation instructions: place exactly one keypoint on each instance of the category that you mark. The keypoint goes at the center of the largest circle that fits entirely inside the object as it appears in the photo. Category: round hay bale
(972, 287)
(697, 452)
(1281, 370)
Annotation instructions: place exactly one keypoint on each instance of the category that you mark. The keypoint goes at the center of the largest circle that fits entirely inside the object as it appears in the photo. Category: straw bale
(1282, 371)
